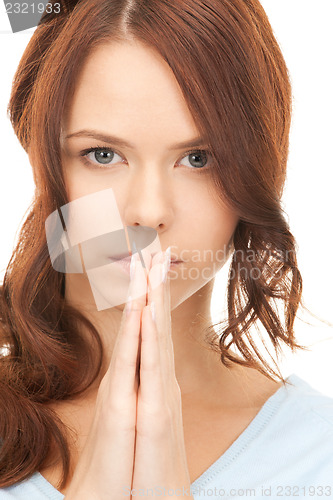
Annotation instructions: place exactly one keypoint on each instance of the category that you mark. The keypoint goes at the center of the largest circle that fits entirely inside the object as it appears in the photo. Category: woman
(182, 111)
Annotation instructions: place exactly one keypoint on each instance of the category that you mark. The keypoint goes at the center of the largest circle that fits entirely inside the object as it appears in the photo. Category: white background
(303, 29)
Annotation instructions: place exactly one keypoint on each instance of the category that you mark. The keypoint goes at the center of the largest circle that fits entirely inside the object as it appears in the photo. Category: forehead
(128, 88)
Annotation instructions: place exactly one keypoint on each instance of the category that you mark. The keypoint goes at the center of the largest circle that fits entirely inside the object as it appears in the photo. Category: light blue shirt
(285, 452)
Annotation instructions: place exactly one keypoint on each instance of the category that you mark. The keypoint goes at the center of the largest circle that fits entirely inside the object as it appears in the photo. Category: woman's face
(128, 91)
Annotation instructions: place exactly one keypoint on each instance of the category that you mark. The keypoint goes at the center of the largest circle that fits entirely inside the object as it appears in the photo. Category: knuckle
(162, 417)
(111, 403)
(117, 416)
(149, 366)
(157, 413)
(156, 427)
(121, 363)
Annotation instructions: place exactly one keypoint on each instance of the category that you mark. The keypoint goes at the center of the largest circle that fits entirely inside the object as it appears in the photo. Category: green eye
(197, 159)
(99, 156)
(103, 156)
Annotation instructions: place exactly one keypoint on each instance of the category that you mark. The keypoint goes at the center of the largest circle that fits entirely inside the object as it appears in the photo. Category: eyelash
(93, 166)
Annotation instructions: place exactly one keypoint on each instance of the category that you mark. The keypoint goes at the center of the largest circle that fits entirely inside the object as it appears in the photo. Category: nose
(148, 198)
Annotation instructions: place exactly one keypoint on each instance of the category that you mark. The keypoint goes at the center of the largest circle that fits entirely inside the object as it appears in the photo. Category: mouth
(174, 260)
(123, 262)
(126, 257)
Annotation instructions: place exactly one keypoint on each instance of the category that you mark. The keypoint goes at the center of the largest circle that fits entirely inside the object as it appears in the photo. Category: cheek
(74, 183)
(215, 221)
(214, 231)
(79, 182)
(222, 226)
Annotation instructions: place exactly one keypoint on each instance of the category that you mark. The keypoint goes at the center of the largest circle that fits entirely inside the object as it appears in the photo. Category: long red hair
(233, 76)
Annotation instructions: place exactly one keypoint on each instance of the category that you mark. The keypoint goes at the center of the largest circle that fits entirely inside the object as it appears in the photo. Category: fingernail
(166, 265)
(168, 252)
(132, 266)
(152, 310)
(128, 305)
(164, 272)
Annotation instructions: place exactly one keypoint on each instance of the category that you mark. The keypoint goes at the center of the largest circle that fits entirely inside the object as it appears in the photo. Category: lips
(124, 262)
(126, 257)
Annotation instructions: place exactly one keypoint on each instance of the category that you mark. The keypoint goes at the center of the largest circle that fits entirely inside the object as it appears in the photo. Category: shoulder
(306, 405)
(300, 434)
(287, 449)
(35, 487)
(301, 414)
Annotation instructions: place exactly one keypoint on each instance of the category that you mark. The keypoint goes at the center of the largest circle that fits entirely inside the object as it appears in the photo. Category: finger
(145, 257)
(151, 380)
(167, 312)
(138, 286)
(168, 330)
(159, 293)
(124, 361)
(156, 296)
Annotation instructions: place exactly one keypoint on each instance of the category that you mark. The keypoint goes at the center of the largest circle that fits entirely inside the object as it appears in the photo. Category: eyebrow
(118, 141)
